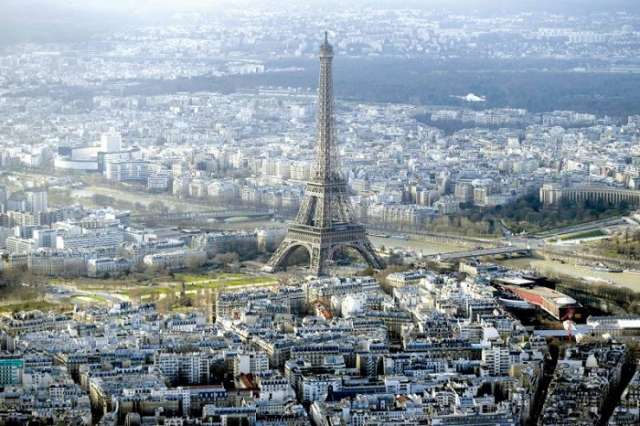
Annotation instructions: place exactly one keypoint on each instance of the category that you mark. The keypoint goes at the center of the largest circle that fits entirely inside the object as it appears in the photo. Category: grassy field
(194, 282)
(193, 278)
(585, 234)
(88, 299)
(624, 245)
(198, 290)
(232, 282)
(97, 284)
(40, 305)
(160, 287)
(166, 290)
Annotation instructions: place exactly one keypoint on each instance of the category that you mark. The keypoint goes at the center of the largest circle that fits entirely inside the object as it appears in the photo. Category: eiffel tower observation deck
(325, 222)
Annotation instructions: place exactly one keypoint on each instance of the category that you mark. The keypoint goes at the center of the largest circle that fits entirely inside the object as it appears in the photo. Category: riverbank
(556, 269)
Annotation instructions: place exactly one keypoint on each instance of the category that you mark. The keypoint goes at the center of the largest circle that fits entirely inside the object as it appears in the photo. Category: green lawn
(92, 284)
(154, 289)
(200, 282)
(186, 277)
(232, 282)
(191, 278)
(40, 305)
(585, 234)
(148, 291)
(88, 299)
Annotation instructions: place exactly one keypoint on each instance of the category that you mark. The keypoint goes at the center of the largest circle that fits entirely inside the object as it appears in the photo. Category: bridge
(582, 227)
(494, 251)
(199, 215)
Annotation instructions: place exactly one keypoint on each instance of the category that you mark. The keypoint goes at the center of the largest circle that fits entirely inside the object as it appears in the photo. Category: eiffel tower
(325, 222)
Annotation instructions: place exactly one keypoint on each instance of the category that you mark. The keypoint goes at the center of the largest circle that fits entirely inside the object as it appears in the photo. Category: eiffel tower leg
(279, 259)
(379, 263)
(369, 254)
(364, 249)
(315, 262)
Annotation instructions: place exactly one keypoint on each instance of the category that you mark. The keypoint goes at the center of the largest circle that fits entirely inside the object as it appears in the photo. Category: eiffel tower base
(322, 244)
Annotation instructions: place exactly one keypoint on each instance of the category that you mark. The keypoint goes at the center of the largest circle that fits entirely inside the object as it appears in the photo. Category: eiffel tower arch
(325, 220)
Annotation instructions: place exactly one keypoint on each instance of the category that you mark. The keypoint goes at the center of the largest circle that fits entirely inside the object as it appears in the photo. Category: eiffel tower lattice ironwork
(325, 223)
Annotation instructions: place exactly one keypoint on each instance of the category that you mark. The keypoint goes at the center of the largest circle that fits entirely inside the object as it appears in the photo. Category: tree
(194, 263)
(227, 260)
(395, 259)
(369, 272)
(103, 200)
(152, 270)
(11, 277)
(158, 206)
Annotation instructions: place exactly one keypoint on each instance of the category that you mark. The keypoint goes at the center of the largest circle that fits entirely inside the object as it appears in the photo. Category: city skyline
(320, 213)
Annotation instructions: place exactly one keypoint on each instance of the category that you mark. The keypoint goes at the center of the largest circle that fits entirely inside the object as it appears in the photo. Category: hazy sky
(62, 20)
(491, 5)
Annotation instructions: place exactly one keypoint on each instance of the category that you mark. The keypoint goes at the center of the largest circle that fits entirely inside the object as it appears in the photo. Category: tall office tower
(325, 222)
(111, 141)
(3, 199)
(37, 200)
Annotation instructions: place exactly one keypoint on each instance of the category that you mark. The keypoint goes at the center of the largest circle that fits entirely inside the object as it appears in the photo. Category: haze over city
(320, 213)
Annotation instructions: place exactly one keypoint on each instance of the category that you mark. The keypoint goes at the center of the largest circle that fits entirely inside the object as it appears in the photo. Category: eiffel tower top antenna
(326, 162)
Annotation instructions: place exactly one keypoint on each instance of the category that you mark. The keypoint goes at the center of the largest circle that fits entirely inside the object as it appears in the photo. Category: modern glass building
(11, 371)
